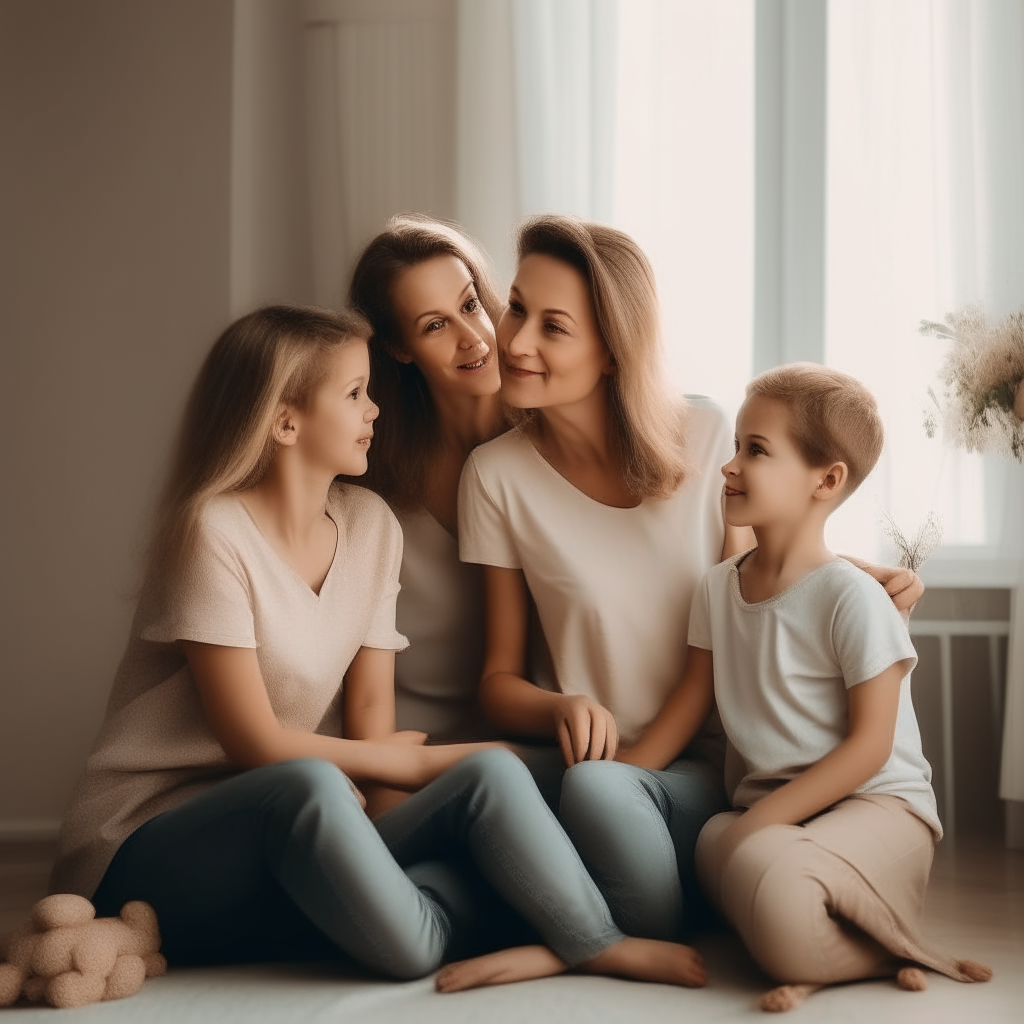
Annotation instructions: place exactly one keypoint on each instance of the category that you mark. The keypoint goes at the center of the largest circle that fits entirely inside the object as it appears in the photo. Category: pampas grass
(981, 404)
(913, 552)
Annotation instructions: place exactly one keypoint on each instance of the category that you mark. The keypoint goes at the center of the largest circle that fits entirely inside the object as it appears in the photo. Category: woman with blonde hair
(257, 690)
(603, 505)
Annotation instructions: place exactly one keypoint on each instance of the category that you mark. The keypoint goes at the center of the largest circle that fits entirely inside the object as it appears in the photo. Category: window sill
(966, 567)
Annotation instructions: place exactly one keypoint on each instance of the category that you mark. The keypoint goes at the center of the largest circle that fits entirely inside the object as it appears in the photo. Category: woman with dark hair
(427, 292)
(257, 690)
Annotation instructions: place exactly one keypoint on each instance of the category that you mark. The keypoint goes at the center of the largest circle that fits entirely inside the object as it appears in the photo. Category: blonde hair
(274, 355)
(645, 420)
(406, 436)
(833, 417)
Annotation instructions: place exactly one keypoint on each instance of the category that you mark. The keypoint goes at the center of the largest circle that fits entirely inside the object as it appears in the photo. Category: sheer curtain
(925, 214)
(883, 142)
(889, 153)
(639, 115)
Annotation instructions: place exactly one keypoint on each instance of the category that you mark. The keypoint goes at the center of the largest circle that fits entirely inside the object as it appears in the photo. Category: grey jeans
(636, 829)
(281, 862)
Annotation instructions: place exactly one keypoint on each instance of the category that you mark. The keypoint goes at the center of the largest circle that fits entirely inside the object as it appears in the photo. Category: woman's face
(445, 330)
(334, 431)
(552, 353)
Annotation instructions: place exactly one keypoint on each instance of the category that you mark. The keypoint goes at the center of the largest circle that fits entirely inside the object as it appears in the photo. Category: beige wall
(153, 183)
(116, 142)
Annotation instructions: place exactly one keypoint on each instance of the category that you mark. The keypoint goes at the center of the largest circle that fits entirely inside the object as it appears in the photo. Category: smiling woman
(258, 682)
(427, 292)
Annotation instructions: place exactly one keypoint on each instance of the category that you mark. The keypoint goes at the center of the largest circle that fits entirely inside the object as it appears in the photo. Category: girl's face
(445, 330)
(552, 353)
(335, 430)
(767, 481)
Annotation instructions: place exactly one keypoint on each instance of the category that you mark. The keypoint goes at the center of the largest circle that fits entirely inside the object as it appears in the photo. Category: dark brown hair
(833, 417)
(406, 434)
(646, 423)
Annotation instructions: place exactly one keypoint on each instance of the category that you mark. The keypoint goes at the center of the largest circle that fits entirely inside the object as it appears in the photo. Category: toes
(779, 1000)
(912, 979)
(695, 972)
(454, 977)
(975, 971)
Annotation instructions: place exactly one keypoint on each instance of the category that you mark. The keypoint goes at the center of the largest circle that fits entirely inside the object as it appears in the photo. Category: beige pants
(835, 899)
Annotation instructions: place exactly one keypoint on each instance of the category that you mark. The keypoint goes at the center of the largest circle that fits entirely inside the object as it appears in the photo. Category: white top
(155, 748)
(782, 669)
(441, 611)
(612, 585)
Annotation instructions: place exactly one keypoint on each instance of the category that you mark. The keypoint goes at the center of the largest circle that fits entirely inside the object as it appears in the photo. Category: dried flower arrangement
(982, 403)
(912, 553)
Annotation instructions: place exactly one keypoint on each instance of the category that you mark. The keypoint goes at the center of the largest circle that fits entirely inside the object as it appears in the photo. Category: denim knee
(495, 767)
(294, 785)
(595, 785)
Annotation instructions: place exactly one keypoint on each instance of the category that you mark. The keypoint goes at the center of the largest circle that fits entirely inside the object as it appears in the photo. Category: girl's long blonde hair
(406, 435)
(646, 423)
(274, 355)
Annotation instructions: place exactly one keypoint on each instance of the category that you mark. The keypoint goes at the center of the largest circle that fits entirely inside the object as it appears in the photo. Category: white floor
(975, 908)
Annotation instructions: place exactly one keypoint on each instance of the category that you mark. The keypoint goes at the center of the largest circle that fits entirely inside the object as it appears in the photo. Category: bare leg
(639, 959)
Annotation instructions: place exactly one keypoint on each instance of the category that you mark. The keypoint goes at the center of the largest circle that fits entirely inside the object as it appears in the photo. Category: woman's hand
(904, 586)
(585, 730)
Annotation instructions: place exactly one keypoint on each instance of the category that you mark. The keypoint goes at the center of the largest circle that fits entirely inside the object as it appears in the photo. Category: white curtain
(641, 113)
(638, 114)
(924, 214)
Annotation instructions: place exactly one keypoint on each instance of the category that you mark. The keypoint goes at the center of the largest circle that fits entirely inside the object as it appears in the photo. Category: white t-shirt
(155, 748)
(612, 586)
(782, 669)
(441, 611)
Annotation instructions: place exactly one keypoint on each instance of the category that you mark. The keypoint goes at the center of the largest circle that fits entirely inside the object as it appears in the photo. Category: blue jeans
(636, 830)
(281, 862)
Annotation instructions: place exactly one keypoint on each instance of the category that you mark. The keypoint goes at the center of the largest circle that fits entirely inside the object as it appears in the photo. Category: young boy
(809, 663)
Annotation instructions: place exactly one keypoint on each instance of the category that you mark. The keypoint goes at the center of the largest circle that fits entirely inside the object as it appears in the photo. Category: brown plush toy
(69, 957)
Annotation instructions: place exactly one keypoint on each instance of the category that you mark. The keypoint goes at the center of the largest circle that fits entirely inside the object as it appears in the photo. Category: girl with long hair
(256, 692)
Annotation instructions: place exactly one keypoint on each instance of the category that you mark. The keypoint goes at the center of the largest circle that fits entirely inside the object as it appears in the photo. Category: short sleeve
(868, 634)
(484, 533)
(212, 601)
(700, 617)
(381, 633)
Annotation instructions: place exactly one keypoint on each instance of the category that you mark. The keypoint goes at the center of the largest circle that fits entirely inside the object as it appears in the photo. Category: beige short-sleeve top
(612, 586)
(440, 610)
(155, 748)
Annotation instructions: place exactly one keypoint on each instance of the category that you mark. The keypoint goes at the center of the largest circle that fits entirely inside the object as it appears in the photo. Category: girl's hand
(585, 730)
(405, 737)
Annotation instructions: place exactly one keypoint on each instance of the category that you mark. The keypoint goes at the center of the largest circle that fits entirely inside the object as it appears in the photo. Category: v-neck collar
(275, 554)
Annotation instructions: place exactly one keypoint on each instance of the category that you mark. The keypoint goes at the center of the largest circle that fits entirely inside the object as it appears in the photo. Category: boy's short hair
(834, 417)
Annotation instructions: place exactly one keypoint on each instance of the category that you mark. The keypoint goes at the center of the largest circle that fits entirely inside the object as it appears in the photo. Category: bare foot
(785, 997)
(519, 964)
(974, 970)
(912, 979)
(650, 960)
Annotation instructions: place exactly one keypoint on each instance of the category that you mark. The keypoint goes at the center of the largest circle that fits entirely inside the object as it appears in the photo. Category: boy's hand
(585, 730)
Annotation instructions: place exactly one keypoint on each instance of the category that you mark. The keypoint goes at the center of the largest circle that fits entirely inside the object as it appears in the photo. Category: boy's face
(767, 482)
